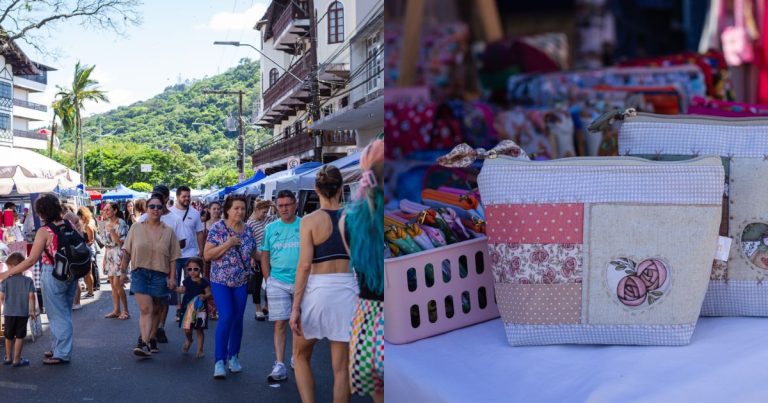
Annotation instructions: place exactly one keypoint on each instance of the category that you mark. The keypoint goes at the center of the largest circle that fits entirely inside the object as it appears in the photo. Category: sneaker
(142, 350)
(76, 307)
(153, 345)
(278, 373)
(219, 372)
(234, 365)
(139, 343)
(260, 316)
(291, 362)
(161, 338)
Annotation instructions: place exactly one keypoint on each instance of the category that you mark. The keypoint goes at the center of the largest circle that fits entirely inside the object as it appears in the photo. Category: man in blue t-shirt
(279, 258)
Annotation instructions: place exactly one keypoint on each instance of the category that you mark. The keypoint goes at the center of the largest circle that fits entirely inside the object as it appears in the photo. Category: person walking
(17, 295)
(113, 231)
(128, 215)
(174, 222)
(89, 232)
(230, 247)
(58, 295)
(139, 208)
(279, 257)
(258, 221)
(214, 210)
(194, 230)
(326, 291)
(152, 249)
(74, 220)
(362, 229)
(193, 318)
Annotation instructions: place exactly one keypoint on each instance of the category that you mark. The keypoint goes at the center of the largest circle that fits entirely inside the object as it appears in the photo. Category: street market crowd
(318, 276)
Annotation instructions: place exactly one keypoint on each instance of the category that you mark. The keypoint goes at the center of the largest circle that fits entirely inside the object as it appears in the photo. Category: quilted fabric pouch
(738, 280)
(612, 250)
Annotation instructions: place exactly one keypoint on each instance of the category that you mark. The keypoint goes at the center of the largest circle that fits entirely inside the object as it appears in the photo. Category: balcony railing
(287, 82)
(30, 134)
(292, 12)
(40, 78)
(30, 105)
(299, 143)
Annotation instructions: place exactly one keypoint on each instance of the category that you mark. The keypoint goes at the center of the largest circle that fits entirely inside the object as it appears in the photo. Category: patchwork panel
(640, 335)
(535, 223)
(539, 303)
(652, 271)
(640, 183)
(749, 218)
(536, 264)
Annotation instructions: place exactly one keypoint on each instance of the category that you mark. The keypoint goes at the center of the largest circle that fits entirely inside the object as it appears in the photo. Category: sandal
(124, 316)
(112, 315)
(6, 361)
(22, 363)
(54, 361)
(48, 354)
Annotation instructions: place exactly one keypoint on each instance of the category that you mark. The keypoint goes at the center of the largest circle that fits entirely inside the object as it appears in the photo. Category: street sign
(293, 162)
(146, 167)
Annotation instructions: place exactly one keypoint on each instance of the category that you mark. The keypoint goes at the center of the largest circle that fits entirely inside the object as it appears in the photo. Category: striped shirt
(258, 227)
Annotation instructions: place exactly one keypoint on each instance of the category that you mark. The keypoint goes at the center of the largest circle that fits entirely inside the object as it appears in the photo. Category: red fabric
(535, 223)
(51, 248)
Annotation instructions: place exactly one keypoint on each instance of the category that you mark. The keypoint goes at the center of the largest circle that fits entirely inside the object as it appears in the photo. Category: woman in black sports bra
(326, 289)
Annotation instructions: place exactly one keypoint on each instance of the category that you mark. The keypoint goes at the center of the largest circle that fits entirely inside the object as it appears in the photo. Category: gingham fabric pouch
(739, 278)
(612, 250)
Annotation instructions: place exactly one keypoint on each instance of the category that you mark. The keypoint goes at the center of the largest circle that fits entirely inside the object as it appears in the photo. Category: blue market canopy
(219, 194)
(123, 193)
(349, 167)
(268, 184)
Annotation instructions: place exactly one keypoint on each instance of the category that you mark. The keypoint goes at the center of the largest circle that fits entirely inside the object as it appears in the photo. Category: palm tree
(71, 103)
(66, 114)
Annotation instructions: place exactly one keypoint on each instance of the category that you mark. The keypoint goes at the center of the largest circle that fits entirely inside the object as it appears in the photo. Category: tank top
(46, 259)
(333, 247)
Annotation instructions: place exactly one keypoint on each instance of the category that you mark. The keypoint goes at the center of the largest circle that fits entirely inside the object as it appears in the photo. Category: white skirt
(328, 306)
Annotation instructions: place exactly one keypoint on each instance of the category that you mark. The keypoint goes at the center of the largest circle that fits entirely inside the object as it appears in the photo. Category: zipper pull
(606, 120)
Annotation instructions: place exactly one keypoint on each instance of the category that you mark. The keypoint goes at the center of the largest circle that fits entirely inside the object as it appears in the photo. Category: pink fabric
(539, 304)
(50, 248)
(535, 223)
(713, 107)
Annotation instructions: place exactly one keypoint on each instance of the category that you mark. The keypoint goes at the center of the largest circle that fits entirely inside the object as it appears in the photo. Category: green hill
(181, 132)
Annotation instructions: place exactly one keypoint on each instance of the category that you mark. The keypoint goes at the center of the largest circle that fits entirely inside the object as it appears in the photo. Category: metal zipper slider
(606, 120)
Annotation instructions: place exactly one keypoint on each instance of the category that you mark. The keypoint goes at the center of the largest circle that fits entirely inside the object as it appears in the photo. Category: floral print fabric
(232, 268)
(536, 263)
(113, 253)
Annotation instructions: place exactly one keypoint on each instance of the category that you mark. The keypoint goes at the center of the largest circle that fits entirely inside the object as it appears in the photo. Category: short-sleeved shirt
(193, 289)
(122, 232)
(192, 224)
(233, 267)
(172, 221)
(16, 290)
(281, 240)
(258, 227)
(147, 252)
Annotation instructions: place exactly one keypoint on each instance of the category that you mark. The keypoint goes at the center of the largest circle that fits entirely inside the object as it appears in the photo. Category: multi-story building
(20, 77)
(363, 112)
(303, 76)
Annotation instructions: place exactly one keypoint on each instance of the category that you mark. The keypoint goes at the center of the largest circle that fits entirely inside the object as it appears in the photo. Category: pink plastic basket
(421, 308)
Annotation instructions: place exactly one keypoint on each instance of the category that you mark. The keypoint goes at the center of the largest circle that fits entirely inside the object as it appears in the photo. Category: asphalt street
(103, 368)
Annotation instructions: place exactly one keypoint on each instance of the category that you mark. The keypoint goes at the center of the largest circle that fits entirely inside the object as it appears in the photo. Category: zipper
(608, 161)
(607, 119)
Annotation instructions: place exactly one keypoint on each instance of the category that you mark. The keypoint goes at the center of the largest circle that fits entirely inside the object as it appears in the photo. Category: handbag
(36, 328)
(738, 273)
(612, 250)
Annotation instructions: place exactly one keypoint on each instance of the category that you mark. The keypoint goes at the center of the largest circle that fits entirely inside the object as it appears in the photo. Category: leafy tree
(71, 101)
(141, 186)
(219, 177)
(31, 21)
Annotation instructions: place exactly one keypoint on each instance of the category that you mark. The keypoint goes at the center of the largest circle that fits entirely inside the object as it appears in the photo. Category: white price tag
(723, 248)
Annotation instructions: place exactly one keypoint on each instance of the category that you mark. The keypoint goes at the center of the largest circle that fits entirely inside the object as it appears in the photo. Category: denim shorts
(150, 282)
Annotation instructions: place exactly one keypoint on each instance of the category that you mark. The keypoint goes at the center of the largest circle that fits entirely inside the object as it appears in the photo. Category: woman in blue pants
(230, 246)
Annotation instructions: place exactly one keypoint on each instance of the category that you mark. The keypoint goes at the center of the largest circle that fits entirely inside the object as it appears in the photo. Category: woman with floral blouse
(230, 246)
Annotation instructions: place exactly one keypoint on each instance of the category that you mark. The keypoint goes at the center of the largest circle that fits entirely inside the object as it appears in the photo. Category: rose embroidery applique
(638, 284)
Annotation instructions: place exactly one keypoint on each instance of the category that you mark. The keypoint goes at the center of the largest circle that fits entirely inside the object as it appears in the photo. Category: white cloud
(117, 97)
(228, 21)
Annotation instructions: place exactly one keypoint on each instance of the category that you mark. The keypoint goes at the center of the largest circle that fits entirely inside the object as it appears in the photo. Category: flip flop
(48, 354)
(6, 361)
(23, 363)
(54, 361)
(124, 316)
(112, 315)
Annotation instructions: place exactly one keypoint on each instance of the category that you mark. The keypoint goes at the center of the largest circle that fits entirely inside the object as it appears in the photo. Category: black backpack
(73, 256)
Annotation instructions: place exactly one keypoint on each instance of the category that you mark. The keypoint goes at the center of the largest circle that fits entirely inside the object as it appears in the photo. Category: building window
(336, 22)
(5, 121)
(272, 77)
(6, 90)
(373, 61)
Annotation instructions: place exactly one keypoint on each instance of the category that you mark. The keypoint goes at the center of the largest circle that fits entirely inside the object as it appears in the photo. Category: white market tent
(24, 172)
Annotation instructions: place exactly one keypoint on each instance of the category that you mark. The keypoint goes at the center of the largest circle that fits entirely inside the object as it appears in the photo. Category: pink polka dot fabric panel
(535, 223)
(539, 303)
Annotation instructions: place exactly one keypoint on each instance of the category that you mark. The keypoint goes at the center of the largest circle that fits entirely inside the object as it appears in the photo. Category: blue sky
(174, 41)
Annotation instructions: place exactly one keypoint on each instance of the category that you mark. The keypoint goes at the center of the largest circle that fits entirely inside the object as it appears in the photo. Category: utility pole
(314, 107)
(240, 137)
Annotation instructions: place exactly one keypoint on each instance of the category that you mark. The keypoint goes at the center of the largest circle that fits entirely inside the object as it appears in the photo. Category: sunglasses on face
(193, 268)
(155, 206)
